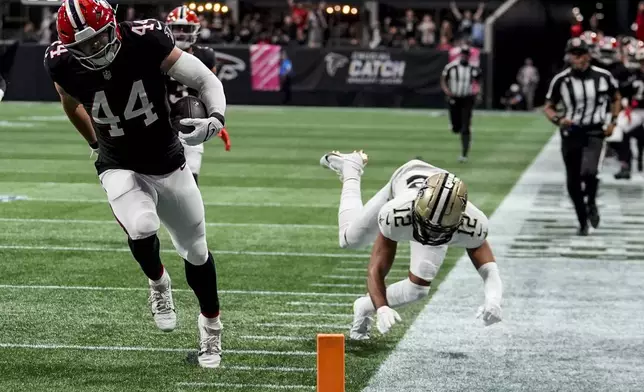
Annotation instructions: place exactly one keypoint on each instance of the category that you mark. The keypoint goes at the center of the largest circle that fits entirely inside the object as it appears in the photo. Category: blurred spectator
(639, 22)
(130, 14)
(29, 33)
(289, 29)
(478, 27)
(446, 31)
(594, 23)
(466, 19)
(299, 13)
(427, 31)
(513, 99)
(444, 44)
(528, 79)
(286, 71)
(576, 26)
(317, 26)
(409, 24)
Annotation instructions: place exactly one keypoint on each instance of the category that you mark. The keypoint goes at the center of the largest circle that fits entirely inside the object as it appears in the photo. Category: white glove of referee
(205, 128)
(387, 317)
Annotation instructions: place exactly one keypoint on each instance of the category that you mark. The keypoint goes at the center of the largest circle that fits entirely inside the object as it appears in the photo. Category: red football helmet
(185, 26)
(88, 29)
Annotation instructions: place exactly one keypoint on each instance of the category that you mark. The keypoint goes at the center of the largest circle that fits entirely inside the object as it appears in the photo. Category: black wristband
(555, 120)
(219, 117)
(94, 145)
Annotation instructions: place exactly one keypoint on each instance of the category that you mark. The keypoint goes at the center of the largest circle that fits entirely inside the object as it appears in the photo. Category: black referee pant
(582, 151)
(460, 115)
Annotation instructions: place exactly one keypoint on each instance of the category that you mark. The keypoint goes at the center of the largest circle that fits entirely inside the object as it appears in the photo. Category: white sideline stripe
(151, 349)
(287, 314)
(334, 305)
(216, 252)
(363, 271)
(213, 224)
(362, 277)
(344, 277)
(281, 338)
(250, 292)
(268, 368)
(274, 325)
(207, 203)
(337, 285)
(241, 386)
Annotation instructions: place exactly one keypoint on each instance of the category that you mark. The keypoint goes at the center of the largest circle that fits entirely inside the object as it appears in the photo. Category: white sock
(163, 281)
(398, 294)
(350, 201)
(214, 322)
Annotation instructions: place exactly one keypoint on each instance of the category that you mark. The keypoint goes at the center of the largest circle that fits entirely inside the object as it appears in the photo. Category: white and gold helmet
(438, 209)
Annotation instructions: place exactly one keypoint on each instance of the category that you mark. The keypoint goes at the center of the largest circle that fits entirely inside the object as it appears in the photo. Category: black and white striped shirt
(460, 78)
(586, 97)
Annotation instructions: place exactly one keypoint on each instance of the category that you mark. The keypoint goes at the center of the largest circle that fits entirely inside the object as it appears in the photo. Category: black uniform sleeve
(154, 38)
(208, 58)
(55, 56)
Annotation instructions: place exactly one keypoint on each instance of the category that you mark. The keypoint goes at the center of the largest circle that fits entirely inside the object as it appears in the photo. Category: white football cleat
(209, 342)
(162, 305)
(336, 161)
(362, 322)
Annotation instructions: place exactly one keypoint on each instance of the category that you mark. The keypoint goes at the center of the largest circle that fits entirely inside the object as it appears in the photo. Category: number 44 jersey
(394, 218)
(127, 101)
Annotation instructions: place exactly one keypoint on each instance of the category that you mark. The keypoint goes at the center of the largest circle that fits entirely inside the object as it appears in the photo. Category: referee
(590, 102)
(459, 81)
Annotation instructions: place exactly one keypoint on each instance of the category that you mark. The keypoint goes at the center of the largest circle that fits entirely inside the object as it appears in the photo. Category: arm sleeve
(190, 71)
(554, 91)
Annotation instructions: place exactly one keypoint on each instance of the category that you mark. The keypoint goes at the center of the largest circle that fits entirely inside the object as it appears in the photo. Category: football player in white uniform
(426, 206)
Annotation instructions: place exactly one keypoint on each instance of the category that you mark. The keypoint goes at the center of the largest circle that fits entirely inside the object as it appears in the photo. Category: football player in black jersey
(111, 80)
(184, 24)
(630, 122)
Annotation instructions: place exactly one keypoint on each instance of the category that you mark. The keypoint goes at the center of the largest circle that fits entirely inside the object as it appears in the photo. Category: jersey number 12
(137, 93)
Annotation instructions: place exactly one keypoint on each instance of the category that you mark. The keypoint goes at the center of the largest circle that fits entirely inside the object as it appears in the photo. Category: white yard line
(324, 304)
(277, 369)
(213, 224)
(242, 386)
(279, 338)
(248, 292)
(364, 270)
(277, 325)
(361, 277)
(50, 346)
(311, 314)
(344, 285)
(206, 203)
(216, 252)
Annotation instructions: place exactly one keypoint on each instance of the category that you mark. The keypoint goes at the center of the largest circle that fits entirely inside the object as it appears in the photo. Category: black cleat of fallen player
(640, 165)
(593, 216)
(623, 174)
(583, 231)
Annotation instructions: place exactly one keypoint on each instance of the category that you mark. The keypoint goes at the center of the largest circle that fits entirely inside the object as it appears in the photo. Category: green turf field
(73, 311)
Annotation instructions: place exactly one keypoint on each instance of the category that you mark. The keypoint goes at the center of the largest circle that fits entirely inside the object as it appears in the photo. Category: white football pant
(140, 202)
(358, 226)
(194, 155)
(624, 125)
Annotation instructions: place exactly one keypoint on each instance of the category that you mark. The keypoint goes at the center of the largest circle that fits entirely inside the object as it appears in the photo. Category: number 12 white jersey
(394, 218)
